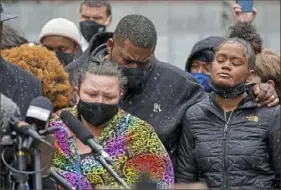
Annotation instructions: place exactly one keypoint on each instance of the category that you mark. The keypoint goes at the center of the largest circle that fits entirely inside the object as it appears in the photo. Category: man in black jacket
(16, 83)
(158, 92)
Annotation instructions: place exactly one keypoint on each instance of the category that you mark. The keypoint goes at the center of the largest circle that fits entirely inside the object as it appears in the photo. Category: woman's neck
(230, 104)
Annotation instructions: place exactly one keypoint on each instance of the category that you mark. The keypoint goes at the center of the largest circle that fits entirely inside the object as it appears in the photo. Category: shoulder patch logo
(156, 108)
(253, 118)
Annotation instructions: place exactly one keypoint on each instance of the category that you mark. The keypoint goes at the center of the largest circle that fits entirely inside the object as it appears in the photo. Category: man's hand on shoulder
(265, 95)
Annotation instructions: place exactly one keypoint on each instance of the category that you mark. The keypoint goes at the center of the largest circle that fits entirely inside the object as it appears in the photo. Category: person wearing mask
(267, 69)
(131, 142)
(226, 140)
(43, 64)
(95, 16)
(15, 83)
(61, 36)
(202, 53)
(198, 62)
(157, 92)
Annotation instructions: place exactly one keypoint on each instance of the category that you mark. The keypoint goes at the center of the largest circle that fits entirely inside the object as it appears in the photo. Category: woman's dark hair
(249, 51)
(11, 38)
(247, 32)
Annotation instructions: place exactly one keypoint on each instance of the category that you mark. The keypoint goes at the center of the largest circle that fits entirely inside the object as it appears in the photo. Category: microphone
(8, 109)
(51, 130)
(38, 115)
(39, 112)
(145, 182)
(83, 134)
(11, 120)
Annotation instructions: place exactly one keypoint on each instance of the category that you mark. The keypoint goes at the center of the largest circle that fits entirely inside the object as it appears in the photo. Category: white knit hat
(60, 27)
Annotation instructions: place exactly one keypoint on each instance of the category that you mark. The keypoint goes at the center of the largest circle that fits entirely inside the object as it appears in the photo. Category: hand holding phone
(246, 5)
(244, 12)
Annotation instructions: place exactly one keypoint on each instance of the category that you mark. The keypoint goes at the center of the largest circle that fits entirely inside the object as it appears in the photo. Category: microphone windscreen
(40, 108)
(145, 182)
(76, 126)
(8, 109)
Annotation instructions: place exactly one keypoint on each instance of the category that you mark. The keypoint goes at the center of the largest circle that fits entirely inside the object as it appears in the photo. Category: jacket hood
(209, 43)
(98, 41)
(96, 45)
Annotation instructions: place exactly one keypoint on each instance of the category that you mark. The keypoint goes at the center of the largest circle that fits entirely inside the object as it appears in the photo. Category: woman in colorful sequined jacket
(131, 142)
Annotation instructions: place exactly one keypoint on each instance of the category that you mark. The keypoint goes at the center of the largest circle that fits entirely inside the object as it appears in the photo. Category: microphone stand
(21, 179)
(107, 166)
(36, 165)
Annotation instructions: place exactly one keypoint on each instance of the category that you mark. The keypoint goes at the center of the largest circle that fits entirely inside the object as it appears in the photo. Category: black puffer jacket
(245, 155)
(209, 43)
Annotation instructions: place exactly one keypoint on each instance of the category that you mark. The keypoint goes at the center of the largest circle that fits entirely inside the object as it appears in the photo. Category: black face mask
(64, 58)
(228, 92)
(136, 78)
(90, 28)
(97, 114)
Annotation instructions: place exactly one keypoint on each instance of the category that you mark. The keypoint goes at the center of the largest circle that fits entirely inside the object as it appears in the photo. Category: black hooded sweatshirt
(163, 100)
(210, 43)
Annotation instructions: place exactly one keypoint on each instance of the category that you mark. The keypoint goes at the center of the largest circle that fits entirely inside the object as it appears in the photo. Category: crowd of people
(216, 123)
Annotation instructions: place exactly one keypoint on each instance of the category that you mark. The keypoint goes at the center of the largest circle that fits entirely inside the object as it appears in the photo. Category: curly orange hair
(45, 66)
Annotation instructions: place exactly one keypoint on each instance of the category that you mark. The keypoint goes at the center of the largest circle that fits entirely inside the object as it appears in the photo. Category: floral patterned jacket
(132, 144)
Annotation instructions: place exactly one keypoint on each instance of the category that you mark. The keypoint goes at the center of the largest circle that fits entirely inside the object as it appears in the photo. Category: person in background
(15, 83)
(226, 140)
(131, 142)
(202, 53)
(43, 64)
(11, 38)
(198, 62)
(267, 69)
(95, 16)
(61, 36)
(150, 93)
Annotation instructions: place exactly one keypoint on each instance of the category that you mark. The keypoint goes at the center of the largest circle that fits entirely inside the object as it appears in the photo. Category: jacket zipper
(225, 151)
